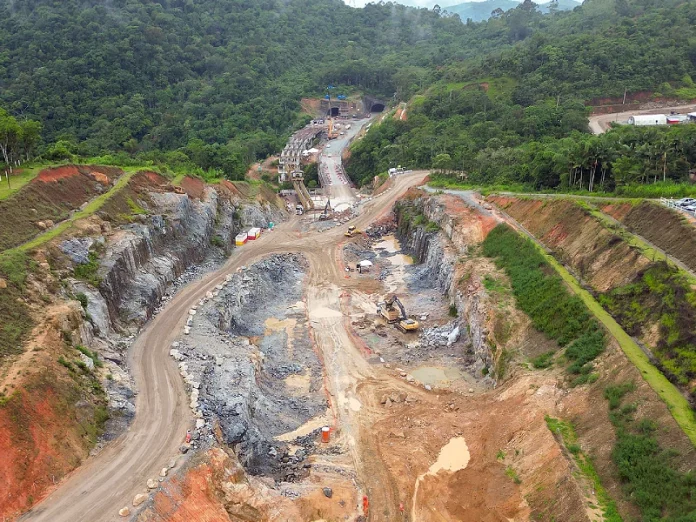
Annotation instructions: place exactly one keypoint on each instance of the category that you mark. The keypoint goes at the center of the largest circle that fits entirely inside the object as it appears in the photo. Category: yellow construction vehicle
(352, 231)
(332, 134)
(393, 311)
(408, 325)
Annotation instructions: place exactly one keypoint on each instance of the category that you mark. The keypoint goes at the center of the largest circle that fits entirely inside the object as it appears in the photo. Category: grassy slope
(646, 248)
(90, 209)
(17, 182)
(677, 404)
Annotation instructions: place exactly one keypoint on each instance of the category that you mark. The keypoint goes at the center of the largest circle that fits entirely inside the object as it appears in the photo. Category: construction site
(363, 357)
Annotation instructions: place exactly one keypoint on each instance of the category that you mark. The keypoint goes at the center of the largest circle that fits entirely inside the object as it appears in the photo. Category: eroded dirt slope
(668, 229)
(596, 254)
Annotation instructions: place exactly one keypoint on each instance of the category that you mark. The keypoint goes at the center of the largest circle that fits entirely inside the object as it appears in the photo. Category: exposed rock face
(77, 249)
(438, 252)
(143, 259)
(139, 261)
(251, 388)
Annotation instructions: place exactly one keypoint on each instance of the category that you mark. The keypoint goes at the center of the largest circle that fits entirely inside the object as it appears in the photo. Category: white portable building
(647, 119)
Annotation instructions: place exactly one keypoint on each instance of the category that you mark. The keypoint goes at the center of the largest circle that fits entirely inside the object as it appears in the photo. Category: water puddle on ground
(454, 456)
(299, 383)
(277, 325)
(395, 280)
(391, 245)
(437, 376)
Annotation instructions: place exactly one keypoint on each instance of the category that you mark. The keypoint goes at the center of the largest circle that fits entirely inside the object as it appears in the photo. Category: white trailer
(642, 120)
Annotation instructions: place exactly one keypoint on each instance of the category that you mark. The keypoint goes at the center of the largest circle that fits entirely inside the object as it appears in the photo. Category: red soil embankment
(42, 437)
(194, 187)
(51, 196)
(667, 229)
(216, 489)
(599, 256)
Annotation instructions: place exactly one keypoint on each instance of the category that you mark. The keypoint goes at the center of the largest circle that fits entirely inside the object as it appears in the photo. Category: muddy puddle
(437, 376)
(454, 456)
(395, 279)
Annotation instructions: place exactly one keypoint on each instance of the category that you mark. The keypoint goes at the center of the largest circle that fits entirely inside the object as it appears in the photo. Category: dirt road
(110, 480)
(600, 124)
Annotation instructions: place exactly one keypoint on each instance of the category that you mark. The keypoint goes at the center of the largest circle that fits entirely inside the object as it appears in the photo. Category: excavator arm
(394, 300)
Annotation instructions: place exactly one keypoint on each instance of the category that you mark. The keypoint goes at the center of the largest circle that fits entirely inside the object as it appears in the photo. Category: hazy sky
(419, 3)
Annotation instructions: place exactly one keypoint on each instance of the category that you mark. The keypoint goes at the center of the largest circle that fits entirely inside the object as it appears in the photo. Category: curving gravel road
(109, 481)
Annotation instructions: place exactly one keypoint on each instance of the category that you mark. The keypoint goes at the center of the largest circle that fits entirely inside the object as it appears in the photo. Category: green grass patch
(614, 394)
(541, 294)
(664, 296)
(545, 360)
(649, 473)
(17, 181)
(491, 284)
(92, 355)
(88, 271)
(638, 191)
(565, 432)
(512, 473)
(136, 210)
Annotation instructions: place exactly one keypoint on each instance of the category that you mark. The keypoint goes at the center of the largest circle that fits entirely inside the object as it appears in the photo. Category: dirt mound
(217, 489)
(665, 228)
(600, 257)
(194, 187)
(47, 417)
(50, 197)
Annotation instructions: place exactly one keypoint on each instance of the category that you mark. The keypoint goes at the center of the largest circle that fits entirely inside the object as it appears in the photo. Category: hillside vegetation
(518, 116)
(211, 83)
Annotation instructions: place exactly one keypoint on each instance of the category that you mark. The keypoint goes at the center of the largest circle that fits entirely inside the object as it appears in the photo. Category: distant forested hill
(217, 83)
(479, 11)
(517, 115)
(220, 80)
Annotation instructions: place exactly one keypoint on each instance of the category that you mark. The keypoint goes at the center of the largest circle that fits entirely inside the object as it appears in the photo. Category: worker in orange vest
(188, 436)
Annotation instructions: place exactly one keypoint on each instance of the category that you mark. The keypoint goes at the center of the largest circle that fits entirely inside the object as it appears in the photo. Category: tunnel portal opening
(377, 107)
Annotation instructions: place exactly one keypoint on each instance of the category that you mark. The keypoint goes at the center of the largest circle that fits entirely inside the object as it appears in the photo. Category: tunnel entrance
(334, 111)
(377, 107)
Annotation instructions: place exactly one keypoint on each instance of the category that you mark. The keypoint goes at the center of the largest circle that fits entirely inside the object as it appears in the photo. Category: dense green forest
(216, 83)
(519, 116)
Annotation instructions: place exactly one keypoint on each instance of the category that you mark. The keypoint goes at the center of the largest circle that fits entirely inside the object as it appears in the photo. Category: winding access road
(109, 481)
(600, 124)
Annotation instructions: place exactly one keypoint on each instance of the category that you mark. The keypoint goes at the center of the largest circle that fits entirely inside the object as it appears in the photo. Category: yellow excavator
(332, 134)
(393, 311)
(352, 231)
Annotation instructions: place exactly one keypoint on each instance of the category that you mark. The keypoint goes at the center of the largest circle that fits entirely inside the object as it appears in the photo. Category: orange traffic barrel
(325, 434)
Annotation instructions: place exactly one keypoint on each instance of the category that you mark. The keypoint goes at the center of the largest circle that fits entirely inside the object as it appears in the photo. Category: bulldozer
(393, 311)
(352, 231)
